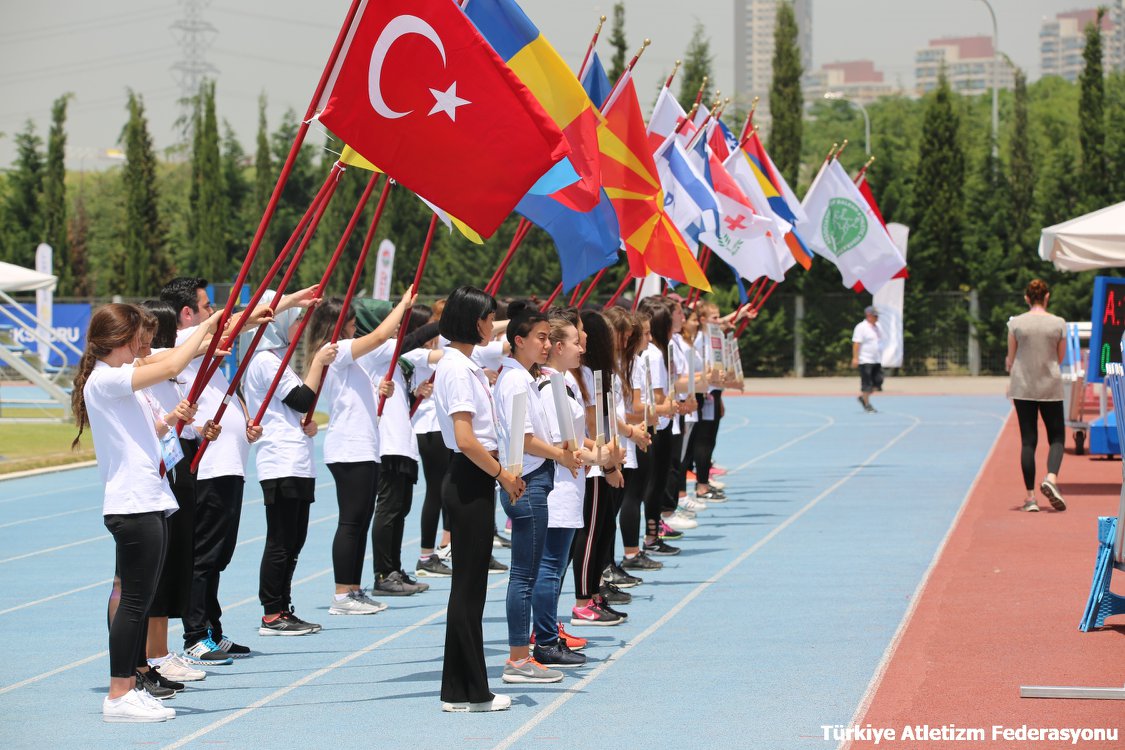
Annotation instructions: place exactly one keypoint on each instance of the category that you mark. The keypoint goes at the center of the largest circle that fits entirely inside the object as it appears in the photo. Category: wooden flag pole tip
(869, 162)
(831, 151)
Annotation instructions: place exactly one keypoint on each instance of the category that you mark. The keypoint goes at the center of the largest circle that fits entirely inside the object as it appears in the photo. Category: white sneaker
(378, 605)
(355, 604)
(694, 505)
(498, 703)
(680, 522)
(135, 706)
(445, 553)
(174, 668)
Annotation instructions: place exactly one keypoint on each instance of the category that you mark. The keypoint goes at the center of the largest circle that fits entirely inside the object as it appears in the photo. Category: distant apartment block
(856, 80)
(969, 63)
(754, 25)
(1063, 39)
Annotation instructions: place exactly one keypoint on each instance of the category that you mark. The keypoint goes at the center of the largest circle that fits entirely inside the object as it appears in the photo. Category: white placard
(613, 415)
(692, 389)
(889, 302)
(384, 268)
(650, 397)
(44, 302)
(516, 434)
(599, 410)
(562, 410)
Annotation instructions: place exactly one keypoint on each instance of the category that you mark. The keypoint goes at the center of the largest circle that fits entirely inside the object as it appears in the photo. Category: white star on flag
(447, 101)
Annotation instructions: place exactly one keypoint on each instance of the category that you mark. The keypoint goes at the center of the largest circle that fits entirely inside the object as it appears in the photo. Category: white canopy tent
(15, 278)
(1096, 240)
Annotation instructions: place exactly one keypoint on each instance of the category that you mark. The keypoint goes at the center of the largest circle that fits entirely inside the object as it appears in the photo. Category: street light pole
(995, 80)
(866, 118)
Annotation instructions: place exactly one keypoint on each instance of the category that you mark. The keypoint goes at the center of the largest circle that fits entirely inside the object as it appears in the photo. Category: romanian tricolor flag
(781, 198)
(652, 241)
(536, 63)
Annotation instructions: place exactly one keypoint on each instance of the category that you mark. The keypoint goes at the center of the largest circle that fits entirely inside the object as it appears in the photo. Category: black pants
(287, 502)
(174, 590)
(636, 484)
(142, 542)
(356, 490)
(397, 475)
(593, 543)
(435, 463)
(656, 488)
(469, 498)
(218, 510)
(706, 435)
(1027, 412)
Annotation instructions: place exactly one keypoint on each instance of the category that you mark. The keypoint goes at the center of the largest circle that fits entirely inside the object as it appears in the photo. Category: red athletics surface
(1001, 609)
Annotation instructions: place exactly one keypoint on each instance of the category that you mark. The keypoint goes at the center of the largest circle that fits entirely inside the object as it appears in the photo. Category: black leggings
(142, 543)
(593, 543)
(356, 490)
(636, 481)
(1027, 413)
(435, 462)
(397, 475)
(287, 502)
(656, 488)
(706, 435)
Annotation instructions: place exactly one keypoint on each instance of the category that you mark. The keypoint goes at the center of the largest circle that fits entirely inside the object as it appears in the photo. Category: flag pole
(612, 98)
(281, 287)
(522, 229)
(863, 171)
(620, 289)
(749, 120)
(590, 49)
(590, 289)
(342, 318)
(271, 206)
(702, 90)
(551, 300)
(843, 146)
(406, 315)
(672, 75)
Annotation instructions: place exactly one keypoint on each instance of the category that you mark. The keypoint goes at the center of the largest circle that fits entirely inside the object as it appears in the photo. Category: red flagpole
(574, 295)
(590, 289)
(294, 149)
(746, 322)
(493, 284)
(406, 316)
(620, 289)
(356, 274)
(551, 300)
(590, 49)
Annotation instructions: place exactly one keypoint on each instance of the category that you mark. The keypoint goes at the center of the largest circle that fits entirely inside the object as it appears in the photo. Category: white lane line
(49, 492)
(53, 515)
(831, 421)
(281, 692)
(582, 684)
(892, 647)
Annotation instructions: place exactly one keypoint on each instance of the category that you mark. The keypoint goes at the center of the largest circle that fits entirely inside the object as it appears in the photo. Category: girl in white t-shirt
(351, 447)
(137, 496)
(285, 463)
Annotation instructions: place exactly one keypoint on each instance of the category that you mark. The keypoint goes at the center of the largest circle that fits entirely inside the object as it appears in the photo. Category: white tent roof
(15, 278)
(1096, 240)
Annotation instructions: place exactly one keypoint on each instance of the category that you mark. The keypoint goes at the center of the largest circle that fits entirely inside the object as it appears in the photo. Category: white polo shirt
(564, 503)
(228, 455)
(352, 404)
(870, 343)
(425, 415)
(652, 361)
(284, 450)
(125, 444)
(514, 378)
(461, 386)
(396, 434)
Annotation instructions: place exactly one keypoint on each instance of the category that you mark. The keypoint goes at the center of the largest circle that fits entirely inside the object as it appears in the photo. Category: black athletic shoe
(614, 595)
(640, 562)
(619, 578)
(293, 616)
(413, 582)
(496, 567)
(234, 649)
(149, 682)
(285, 624)
(605, 606)
(165, 682)
(432, 567)
(660, 548)
(557, 656)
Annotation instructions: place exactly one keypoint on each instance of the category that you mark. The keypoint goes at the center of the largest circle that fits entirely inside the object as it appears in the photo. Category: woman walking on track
(1036, 347)
(137, 497)
(467, 419)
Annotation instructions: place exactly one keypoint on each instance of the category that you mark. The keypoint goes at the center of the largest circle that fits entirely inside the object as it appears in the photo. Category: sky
(99, 50)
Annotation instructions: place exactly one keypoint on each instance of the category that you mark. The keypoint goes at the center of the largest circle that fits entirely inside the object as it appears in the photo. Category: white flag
(846, 231)
(384, 267)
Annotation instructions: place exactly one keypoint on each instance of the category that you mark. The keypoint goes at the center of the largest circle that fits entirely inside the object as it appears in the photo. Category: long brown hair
(111, 326)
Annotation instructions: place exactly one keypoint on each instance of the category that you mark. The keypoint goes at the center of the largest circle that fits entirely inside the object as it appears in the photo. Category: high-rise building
(1063, 38)
(754, 25)
(856, 80)
(969, 62)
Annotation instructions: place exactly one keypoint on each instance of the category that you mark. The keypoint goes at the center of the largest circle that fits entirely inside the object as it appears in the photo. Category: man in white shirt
(867, 355)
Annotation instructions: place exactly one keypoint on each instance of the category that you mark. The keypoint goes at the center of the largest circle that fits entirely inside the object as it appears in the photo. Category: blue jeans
(529, 532)
(548, 584)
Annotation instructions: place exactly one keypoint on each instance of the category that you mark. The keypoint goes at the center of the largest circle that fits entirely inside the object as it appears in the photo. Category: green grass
(34, 445)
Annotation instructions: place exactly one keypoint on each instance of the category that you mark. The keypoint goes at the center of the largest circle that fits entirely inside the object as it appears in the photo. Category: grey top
(1035, 371)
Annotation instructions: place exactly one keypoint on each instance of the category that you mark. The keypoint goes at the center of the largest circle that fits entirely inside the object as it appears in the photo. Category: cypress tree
(697, 66)
(336, 217)
(78, 247)
(1091, 119)
(1115, 137)
(617, 41)
(206, 225)
(144, 265)
(786, 102)
(23, 210)
(300, 189)
(236, 191)
(1021, 171)
(54, 195)
(260, 194)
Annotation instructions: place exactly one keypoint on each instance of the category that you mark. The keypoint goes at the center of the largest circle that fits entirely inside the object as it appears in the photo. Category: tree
(336, 216)
(1091, 118)
(144, 263)
(206, 226)
(54, 195)
(1021, 170)
(236, 191)
(300, 189)
(786, 102)
(697, 67)
(262, 188)
(23, 211)
(617, 41)
(78, 239)
(1115, 137)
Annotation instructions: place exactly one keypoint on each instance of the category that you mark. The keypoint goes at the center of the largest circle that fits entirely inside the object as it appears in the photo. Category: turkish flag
(420, 93)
